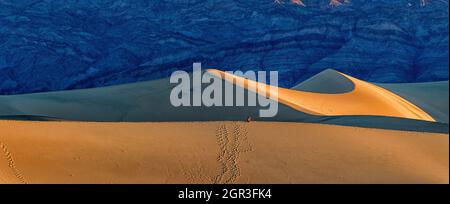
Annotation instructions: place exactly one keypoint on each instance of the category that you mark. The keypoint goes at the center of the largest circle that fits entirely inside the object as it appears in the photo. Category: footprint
(11, 163)
(232, 143)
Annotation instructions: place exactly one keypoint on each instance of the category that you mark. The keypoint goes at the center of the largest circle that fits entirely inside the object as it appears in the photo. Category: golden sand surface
(365, 99)
(217, 152)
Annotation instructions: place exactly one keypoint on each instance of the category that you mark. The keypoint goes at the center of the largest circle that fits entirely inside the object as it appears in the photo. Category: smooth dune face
(217, 152)
(432, 97)
(327, 81)
(365, 99)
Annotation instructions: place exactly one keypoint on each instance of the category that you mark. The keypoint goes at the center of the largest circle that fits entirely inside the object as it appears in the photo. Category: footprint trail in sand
(11, 163)
(232, 143)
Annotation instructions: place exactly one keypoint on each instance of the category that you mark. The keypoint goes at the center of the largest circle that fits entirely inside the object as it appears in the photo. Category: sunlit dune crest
(365, 99)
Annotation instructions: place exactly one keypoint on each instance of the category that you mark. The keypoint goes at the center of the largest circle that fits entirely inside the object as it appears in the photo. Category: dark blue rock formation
(50, 45)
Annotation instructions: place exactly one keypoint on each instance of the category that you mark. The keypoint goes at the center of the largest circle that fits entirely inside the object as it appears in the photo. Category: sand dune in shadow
(150, 101)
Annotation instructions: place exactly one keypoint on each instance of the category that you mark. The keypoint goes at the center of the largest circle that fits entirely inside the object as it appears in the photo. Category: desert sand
(217, 152)
(116, 135)
(432, 97)
(149, 102)
(364, 99)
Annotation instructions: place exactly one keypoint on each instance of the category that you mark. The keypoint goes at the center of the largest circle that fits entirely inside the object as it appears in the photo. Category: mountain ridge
(50, 46)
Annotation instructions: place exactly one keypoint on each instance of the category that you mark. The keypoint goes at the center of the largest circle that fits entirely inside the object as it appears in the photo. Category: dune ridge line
(365, 99)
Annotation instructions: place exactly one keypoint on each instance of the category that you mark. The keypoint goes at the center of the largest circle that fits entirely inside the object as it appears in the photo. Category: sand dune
(432, 97)
(217, 152)
(365, 99)
(149, 102)
(328, 81)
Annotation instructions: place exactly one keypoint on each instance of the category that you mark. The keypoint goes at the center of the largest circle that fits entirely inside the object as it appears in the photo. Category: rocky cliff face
(56, 45)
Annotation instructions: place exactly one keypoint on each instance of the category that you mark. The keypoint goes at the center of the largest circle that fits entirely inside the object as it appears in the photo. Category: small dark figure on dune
(249, 119)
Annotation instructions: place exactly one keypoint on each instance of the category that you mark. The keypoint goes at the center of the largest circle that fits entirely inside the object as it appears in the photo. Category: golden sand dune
(365, 99)
(217, 152)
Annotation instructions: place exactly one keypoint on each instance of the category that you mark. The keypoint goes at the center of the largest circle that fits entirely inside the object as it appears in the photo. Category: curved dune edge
(365, 99)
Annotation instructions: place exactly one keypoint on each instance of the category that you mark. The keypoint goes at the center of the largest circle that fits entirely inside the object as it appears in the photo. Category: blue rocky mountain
(48, 45)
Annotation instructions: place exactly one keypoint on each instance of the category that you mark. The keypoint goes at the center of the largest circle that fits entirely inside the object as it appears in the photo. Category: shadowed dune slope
(195, 152)
(432, 97)
(329, 81)
(150, 101)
